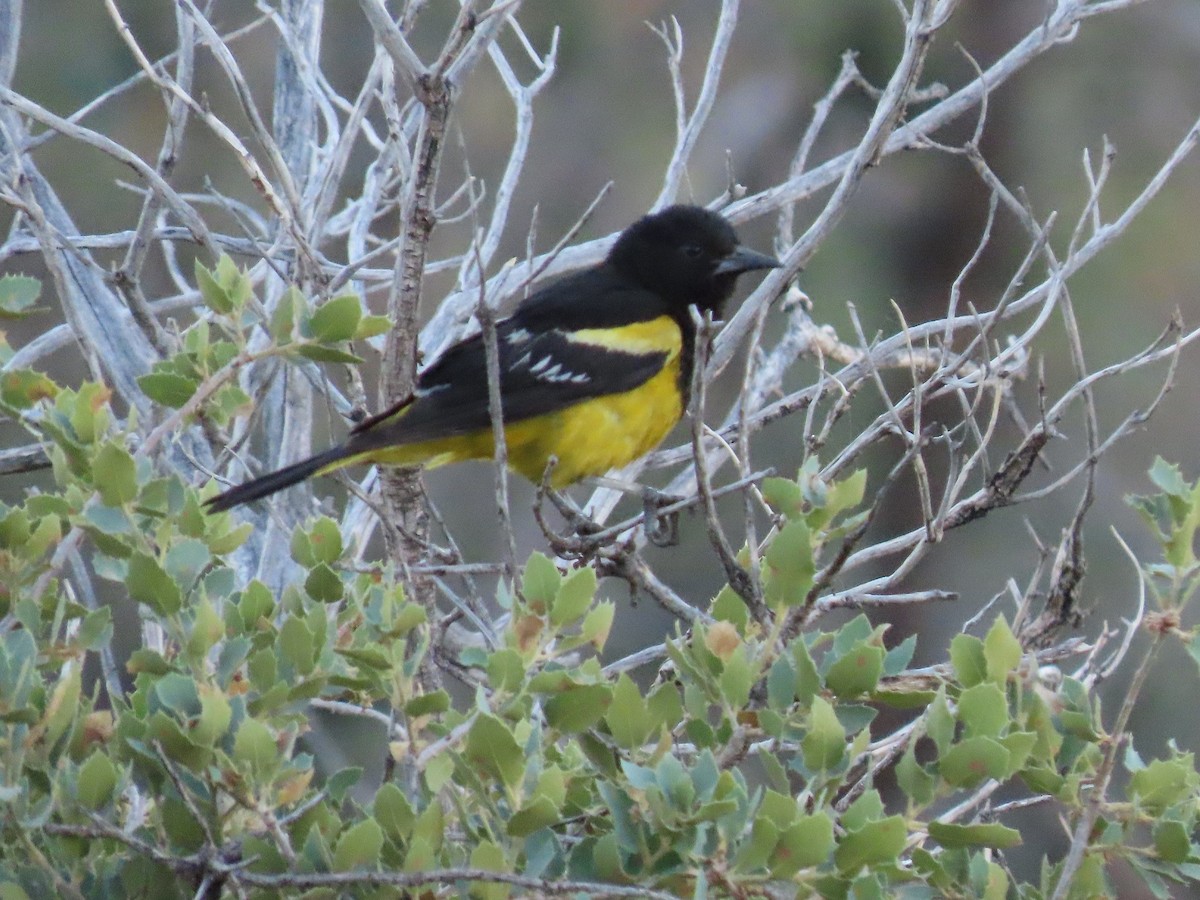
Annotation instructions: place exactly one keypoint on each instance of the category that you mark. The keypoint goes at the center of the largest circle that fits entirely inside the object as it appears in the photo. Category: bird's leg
(661, 524)
(577, 520)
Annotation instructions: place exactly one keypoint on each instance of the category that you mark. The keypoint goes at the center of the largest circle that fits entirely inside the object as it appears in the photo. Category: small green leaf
(878, 842)
(991, 834)
(336, 319)
(323, 584)
(790, 566)
(574, 596)
(358, 847)
(939, 722)
(825, 744)
(539, 584)
(737, 678)
(1172, 841)
(847, 493)
(148, 583)
(23, 388)
(298, 644)
(808, 679)
(1164, 782)
(255, 747)
(322, 353)
(784, 496)
(393, 812)
(168, 388)
(627, 717)
(116, 474)
(283, 317)
(97, 778)
(427, 704)
(491, 747)
(983, 710)
(18, 294)
(805, 843)
(369, 326)
(857, 672)
(968, 659)
(579, 708)
(325, 540)
(972, 760)
(916, 783)
(1001, 651)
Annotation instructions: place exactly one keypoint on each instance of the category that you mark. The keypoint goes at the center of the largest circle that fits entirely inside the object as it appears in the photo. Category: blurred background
(1132, 77)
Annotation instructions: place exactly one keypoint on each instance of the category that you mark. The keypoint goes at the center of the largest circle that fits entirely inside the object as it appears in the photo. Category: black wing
(541, 369)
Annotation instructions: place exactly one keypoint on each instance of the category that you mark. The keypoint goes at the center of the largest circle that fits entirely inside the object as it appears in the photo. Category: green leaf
(967, 657)
(336, 319)
(1164, 782)
(96, 629)
(297, 644)
(808, 679)
(23, 387)
(255, 748)
(283, 317)
(846, 493)
(325, 540)
(917, 784)
(857, 672)
(148, 583)
(1001, 651)
(207, 628)
(805, 843)
(574, 596)
(597, 624)
(899, 656)
(369, 326)
(875, 843)
(323, 584)
(579, 708)
(983, 710)
(186, 560)
(784, 496)
(97, 779)
(789, 565)
(1172, 841)
(427, 704)
(781, 683)
(115, 474)
(737, 678)
(825, 744)
(991, 834)
(538, 813)
(358, 847)
(627, 717)
(539, 583)
(393, 812)
(168, 388)
(972, 760)
(321, 353)
(216, 714)
(18, 294)
(491, 747)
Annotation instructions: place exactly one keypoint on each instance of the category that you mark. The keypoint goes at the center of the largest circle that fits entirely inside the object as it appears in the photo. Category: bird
(595, 367)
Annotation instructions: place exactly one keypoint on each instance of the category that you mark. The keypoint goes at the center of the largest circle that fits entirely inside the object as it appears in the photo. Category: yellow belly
(588, 438)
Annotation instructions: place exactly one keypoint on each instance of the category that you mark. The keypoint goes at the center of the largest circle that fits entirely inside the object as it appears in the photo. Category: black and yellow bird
(595, 368)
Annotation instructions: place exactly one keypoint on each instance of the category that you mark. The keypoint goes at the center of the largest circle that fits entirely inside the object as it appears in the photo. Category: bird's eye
(692, 251)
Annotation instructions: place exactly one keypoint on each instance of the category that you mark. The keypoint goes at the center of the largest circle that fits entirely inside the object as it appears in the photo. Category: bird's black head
(686, 255)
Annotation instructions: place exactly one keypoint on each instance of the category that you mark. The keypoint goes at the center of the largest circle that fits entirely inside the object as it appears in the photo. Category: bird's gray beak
(743, 259)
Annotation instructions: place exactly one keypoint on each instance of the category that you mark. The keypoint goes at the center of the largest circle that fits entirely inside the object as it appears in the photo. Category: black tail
(273, 481)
